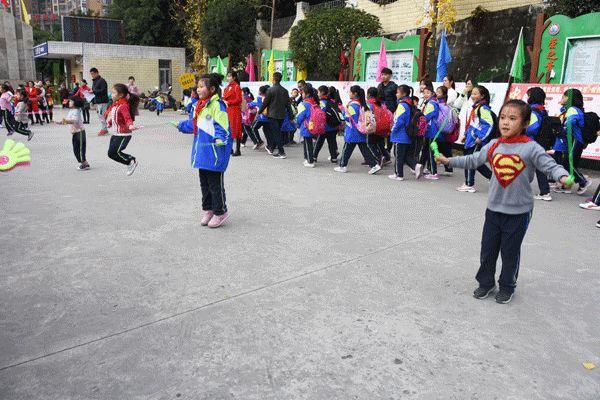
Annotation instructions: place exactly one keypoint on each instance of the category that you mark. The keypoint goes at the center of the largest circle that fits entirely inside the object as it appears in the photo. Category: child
(431, 110)
(478, 128)
(6, 108)
(232, 96)
(248, 117)
(21, 114)
(445, 146)
(399, 136)
(81, 92)
(514, 158)
(119, 117)
(377, 142)
(33, 105)
(327, 98)
(75, 119)
(536, 98)
(211, 149)
(572, 107)
(288, 127)
(352, 136)
(311, 98)
(261, 120)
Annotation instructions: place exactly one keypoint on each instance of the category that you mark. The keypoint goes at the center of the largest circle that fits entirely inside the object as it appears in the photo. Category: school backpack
(417, 126)
(452, 137)
(333, 115)
(383, 120)
(495, 133)
(317, 120)
(591, 126)
(366, 121)
(447, 118)
(546, 136)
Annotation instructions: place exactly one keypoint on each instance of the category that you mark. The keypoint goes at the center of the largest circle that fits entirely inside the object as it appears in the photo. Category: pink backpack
(317, 120)
(366, 120)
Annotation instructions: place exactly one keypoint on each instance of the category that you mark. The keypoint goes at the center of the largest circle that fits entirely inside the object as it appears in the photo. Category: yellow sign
(187, 80)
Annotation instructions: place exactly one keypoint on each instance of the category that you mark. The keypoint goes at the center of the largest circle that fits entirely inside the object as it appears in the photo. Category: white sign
(583, 61)
(400, 62)
(290, 67)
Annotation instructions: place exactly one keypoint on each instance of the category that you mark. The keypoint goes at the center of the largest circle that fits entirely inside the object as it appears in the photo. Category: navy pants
(470, 173)
(213, 191)
(502, 234)
(403, 156)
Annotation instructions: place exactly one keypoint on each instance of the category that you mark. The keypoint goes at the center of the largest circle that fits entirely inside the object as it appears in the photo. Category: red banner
(591, 102)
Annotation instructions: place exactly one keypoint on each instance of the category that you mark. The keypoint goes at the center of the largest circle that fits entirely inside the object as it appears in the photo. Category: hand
(442, 159)
(567, 181)
(13, 155)
(219, 142)
(132, 128)
(478, 141)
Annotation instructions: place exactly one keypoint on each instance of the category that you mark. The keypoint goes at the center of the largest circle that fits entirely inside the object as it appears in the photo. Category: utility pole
(272, 21)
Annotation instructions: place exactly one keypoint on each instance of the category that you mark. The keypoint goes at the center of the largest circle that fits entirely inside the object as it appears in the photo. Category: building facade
(16, 43)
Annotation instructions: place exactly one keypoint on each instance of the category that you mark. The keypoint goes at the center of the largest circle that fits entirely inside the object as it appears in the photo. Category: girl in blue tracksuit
(478, 129)
(431, 110)
(261, 120)
(352, 136)
(309, 94)
(572, 103)
(288, 127)
(330, 131)
(399, 135)
(536, 98)
(212, 148)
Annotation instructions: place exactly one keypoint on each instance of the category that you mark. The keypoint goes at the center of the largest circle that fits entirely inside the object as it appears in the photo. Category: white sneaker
(395, 177)
(308, 165)
(590, 205)
(544, 197)
(560, 189)
(582, 189)
(447, 173)
(375, 169)
(466, 189)
(341, 169)
(418, 171)
(131, 167)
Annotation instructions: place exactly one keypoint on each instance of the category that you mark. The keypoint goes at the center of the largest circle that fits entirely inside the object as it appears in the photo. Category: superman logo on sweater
(507, 167)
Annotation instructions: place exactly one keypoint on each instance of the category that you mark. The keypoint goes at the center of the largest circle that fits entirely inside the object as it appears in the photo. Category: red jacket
(118, 118)
(232, 95)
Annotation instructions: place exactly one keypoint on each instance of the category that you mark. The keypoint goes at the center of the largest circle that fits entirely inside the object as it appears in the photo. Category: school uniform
(399, 137)
(431, 110)
(538, 112)
(574, 118)
(330, 135)
(480, 124)
(302, 119)
(261, 121)
(353, 137)
(211, 123)
(510, 202)
(377, 143)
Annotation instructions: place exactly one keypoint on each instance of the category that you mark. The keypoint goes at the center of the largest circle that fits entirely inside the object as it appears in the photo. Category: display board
(400, 62)
(583, 60)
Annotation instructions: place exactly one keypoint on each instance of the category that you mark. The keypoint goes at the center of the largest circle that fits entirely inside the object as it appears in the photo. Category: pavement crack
(241, 294)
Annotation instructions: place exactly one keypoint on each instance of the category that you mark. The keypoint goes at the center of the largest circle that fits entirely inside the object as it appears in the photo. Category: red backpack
(317, 121)
(383, 120)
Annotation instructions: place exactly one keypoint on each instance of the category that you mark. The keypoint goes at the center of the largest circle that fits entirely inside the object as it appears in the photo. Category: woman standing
(232, 96)
(34, 106)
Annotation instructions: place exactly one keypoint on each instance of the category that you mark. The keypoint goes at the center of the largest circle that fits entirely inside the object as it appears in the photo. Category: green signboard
(401, 58)
(279, 56)
(570, 50)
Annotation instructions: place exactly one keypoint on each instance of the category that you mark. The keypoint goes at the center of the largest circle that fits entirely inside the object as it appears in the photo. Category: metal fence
(280, 26)
(328, 5)
(92, 30)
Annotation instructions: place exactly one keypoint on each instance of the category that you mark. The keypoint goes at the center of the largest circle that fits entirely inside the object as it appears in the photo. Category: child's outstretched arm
(472, 161)
(545, 163)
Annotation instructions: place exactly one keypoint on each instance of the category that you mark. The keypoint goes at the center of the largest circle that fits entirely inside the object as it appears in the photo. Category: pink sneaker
(206, 217)
(217, 220)
(433, 177)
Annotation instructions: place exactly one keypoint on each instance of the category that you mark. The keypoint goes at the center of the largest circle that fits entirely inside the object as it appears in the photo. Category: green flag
(221, 68)
(284, 72)
(516, 70)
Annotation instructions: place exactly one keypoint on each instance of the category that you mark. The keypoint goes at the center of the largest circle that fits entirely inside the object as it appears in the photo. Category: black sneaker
(481, 292)
(280, 155)
(598, 224)
(503, 297)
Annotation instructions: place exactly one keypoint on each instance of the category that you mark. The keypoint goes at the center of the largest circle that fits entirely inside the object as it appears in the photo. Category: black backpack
(417, 123)
(495, 133)
(333, 115)
(591, 126)
(546, 136)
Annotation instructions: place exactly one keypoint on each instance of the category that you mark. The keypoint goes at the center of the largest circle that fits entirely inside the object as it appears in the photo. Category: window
(164, 74)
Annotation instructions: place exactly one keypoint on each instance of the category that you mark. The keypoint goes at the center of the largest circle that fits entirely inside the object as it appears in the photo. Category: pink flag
(250, 68)
(382, 63)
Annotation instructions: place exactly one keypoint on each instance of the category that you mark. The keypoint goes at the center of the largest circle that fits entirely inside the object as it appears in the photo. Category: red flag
(343, 66)
(6, 3)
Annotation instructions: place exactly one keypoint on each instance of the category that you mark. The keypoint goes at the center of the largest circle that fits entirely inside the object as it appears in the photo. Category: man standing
(387, 88)
(100, 89)
(277, 104)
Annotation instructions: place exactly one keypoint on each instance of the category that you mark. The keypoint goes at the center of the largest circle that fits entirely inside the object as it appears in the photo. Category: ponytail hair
(334, 95)
(360, 92)
(310, 92)
(132, 99)
(407, 90)
(575, 98)
(374, 93)
(213, 81)
(485, 93)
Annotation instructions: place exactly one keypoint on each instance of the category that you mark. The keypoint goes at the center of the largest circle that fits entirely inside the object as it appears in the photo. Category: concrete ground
(320, 286)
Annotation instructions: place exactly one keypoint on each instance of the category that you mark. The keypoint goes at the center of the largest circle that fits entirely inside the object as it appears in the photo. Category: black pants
(377, 145)
(427, 158)
(51, 112)
(502, 234)
(577, 151)
(45, 113)
(309, 149)
(403, 156)
(542, 182)
(86, 114)
(12, 125)
(331, 138)
(79, 145)
(116, 147)
(364, 149)
(446, 149)
(265, 127)
(213, 191)
(276, 137)
(470, 173)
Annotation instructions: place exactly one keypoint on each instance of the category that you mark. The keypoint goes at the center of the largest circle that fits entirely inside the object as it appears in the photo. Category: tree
(324, 34)
(41, 36)
(572, 8)
(228, 27)
(147, 22)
